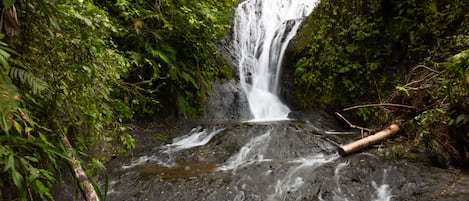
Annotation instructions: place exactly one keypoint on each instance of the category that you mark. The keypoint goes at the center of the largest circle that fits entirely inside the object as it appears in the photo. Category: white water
(293, 180)
(251, 153)
(262, 31)
(383, 192)
(196, 137)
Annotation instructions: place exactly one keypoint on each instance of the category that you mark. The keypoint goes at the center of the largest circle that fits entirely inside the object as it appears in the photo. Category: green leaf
(181, 103)
(30, 158)
(5, 151)
(18, 180)
(5, 126)
(84, 19)
(461, 119)
(189, 78)
(3, 58)
(351, 48)
(10, 163)
(18, 127)
(401, 88)
(4, 53)
(28, 130)
(344, 69)
(8, 3)
(46, 192)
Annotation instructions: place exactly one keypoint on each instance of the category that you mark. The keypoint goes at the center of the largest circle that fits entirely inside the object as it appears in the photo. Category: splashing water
(262, 31)
(292, 181)
(196, 137)
(338, 194)
(383, 192)
(250, 153)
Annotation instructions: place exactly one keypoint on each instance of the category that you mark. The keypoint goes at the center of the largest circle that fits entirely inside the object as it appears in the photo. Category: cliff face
(297, 48)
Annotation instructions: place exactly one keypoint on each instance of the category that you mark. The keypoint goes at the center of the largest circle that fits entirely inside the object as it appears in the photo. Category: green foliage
(63, 78)
(397, 152)
(356, 51)
(77, 60)
(27, 154)
(8, 3)
(172, 47)
(8, 92)
(428, 121)
(456, 84)
(23, 164)
(347, 48)
(445, 123)
(84, 67)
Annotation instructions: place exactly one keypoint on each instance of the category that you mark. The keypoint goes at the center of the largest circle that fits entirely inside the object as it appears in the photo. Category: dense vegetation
(410, 53)
(79, 69)
(173, 45)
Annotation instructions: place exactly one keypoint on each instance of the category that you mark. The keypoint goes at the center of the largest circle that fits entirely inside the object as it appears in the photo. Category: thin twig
(416, 88)
(426, 78)
(378, 105)
(355, 126)
(426, 67)
(377, 90)
(343, 118)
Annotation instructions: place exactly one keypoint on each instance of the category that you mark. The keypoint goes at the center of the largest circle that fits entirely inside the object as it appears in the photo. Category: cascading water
(262, 31)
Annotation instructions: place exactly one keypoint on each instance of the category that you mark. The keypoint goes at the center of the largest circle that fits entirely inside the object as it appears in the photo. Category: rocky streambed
(286, 160)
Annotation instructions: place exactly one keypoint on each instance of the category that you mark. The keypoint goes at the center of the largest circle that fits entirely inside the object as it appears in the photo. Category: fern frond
(28, 79)
(8, 102)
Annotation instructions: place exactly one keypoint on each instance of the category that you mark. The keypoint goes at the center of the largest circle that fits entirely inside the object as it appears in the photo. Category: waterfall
(262, 31)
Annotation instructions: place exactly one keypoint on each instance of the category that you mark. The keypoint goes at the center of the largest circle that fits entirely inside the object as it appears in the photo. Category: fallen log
(367, 141)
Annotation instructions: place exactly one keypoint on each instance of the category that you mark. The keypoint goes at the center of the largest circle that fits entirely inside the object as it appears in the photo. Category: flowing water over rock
(262, 31)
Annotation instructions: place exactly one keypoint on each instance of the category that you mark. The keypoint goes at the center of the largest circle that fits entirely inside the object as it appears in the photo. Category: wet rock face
(296, 48)
(287, 78)
(227, 102)
(225, 47)
(287, 86)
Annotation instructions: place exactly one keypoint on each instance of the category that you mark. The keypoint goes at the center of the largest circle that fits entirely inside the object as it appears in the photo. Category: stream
(251, 147)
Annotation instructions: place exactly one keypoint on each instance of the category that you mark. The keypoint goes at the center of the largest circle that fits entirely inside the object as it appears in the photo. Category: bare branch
(379, 105)
(426, 67)
(355, 126)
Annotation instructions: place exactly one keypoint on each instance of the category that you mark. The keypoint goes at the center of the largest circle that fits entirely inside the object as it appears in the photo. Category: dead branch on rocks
(367, 141)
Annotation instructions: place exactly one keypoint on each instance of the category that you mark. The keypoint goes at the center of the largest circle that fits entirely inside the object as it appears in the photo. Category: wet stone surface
(275, 161)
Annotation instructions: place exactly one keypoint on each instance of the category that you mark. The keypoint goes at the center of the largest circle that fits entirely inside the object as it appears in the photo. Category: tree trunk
(84, 182)
(367, 141)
